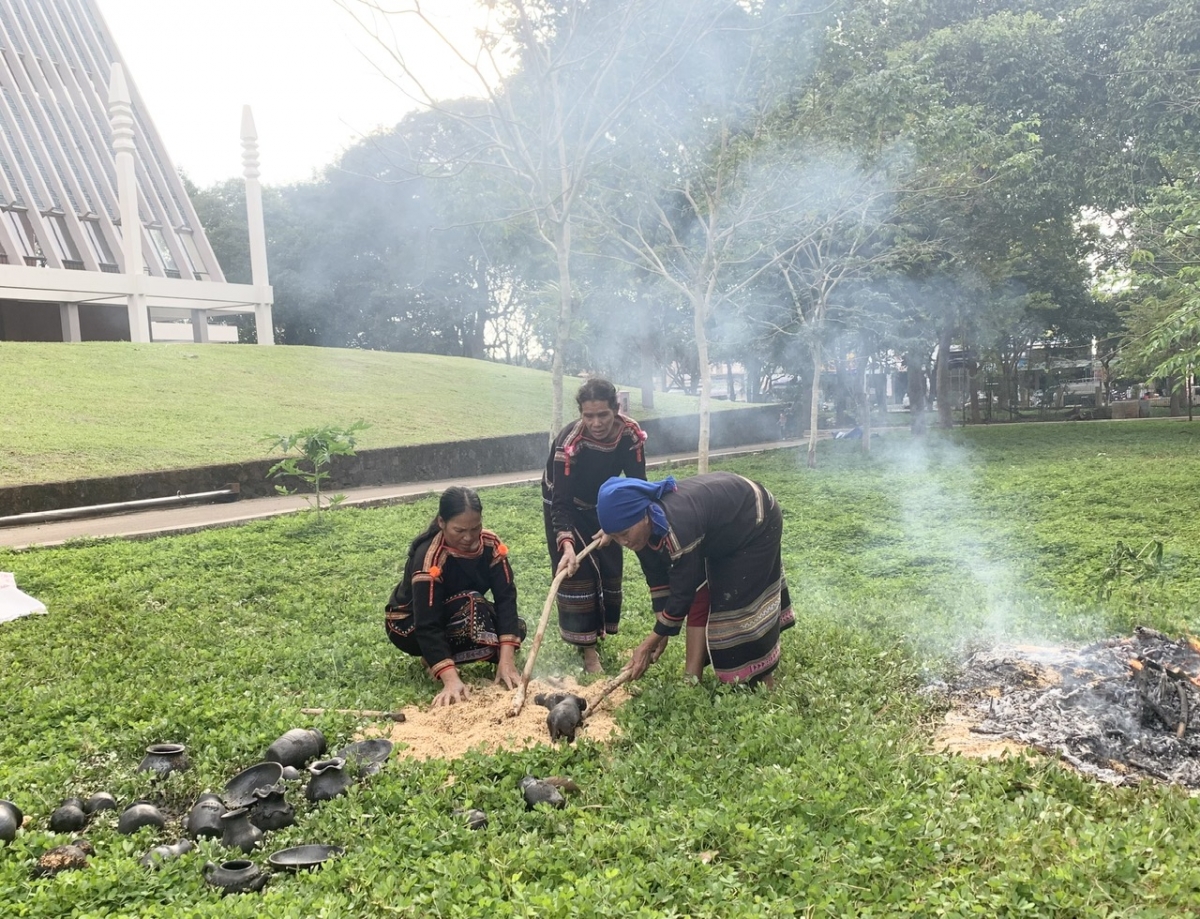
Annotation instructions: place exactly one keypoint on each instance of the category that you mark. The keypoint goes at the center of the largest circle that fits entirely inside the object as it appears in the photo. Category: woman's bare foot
(591, 661)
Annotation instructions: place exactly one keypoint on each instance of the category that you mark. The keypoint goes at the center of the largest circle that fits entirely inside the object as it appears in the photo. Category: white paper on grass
(15, 603)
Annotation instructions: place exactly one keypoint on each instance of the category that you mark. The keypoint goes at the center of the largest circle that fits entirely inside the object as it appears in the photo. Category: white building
(80, 160)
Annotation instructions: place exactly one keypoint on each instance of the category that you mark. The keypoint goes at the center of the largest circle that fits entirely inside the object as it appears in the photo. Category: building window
(164, 251)
(22, 230)
(60, 241)
(103, 255)
(193, 255)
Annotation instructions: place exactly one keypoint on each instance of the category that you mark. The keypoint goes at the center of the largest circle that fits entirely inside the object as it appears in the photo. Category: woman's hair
(597, 389)
(455, 500)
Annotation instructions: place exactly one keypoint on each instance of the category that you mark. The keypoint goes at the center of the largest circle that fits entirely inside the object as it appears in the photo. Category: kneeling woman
(438, 610)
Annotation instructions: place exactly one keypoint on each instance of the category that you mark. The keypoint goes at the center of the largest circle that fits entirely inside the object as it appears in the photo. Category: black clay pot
(11, 819)
(296, 747)
(237, 876)
(68, 817)
(271, 811)
(160, 854)
(330, 778)
(138, 815)
(204, 819)
(239, 832)
(164, 758)
(100, 801)
(366, 757)
(473, 817)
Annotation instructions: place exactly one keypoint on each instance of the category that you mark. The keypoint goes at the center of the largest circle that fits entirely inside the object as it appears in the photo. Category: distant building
(80, 159)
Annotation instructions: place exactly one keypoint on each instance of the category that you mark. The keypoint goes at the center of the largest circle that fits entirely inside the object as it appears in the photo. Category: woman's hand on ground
(508, 675)
(568, 563)
(453, 690)
(645, 654)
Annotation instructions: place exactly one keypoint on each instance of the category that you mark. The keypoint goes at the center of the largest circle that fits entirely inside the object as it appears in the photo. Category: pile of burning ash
(1120, 710)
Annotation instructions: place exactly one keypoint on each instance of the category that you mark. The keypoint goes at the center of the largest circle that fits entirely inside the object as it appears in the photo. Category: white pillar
(200, 326)
(120, 113)
(68, 315)
(263, 322)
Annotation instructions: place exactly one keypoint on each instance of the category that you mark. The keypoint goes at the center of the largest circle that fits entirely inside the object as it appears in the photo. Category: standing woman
(601, 444)
(438, 610)
(718, 527)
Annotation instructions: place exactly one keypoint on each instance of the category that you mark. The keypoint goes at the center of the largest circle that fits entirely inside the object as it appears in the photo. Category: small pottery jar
(204, 819)
(160, 854)
(164, 758)
(330, 778)
(100, 801)
(239, 832)
(237, 876)
(296, 747)
(271, 811)
(11, 819)
(68, 817)
(140, 814)
(291, 774)
(473, 817)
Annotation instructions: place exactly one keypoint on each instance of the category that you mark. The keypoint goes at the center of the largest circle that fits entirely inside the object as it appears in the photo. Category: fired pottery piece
(296, 747)
(239, 832)
(204, 819)
(330, 778)
(565, 717)
(100, 801)
(138, 815)
(475, 819)
(271, 811)
(164, 758)
(292, 774)
(366, 757)
(159, 854)
(239, 792)
(300, 858)
(538, 792)
(11, 819)
(239, 875)
(68, 817)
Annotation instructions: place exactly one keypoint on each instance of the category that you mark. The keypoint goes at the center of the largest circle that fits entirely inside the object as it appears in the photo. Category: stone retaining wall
(385, 466)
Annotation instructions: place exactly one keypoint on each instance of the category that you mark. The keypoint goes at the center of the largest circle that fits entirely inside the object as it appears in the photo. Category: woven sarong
(589, 602)
(470, 629)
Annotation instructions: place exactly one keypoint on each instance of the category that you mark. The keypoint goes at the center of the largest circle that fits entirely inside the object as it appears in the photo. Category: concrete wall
(387, 466)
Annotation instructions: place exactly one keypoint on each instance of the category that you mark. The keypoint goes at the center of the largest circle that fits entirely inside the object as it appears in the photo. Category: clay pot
(271, 811)
(164, 758)
(291, 774)
(330, 778)
(100, 801)
(474, 818)
(239, 832)
(204, 819)
(68, 817)
(296, 747)
(11, 819)
(237, 876)
(160, 854)
(138, 815)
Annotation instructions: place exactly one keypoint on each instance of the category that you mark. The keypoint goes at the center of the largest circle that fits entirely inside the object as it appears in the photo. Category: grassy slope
(820, 799)
(104, 408)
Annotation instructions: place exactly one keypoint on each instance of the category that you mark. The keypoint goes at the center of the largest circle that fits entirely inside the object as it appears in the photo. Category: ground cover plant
(107, 408)
(821, 799)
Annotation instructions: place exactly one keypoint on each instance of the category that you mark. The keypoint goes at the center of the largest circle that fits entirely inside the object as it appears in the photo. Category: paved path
(144, 524)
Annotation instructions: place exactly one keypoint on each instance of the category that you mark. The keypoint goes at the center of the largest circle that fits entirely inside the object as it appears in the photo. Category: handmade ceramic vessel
(204, 819)
(11, 819)
(239, 832)
(366, 757)
(271, 811)
(304, 858)
(237, 876)
(330, 778)
(239, 792)
(474, 818)
(164, 758)
(296, 747)
(138, 815)
(160, 854)
(100, 801)
(68, 817)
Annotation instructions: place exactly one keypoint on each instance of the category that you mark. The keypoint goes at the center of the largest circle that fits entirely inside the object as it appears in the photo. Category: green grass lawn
(107, 408)
(820, 799)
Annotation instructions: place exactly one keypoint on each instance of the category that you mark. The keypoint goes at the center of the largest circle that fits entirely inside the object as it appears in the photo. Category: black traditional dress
(589, 603)
(438, 610)
(725, 529)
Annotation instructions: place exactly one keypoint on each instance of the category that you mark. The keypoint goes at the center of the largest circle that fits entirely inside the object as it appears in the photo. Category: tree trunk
(916, 395)
(562, 329)
(646, 350)
(729, 390)
(864, 413)
(814, 406)
(700, 313)
(945, 409)
(972, 382)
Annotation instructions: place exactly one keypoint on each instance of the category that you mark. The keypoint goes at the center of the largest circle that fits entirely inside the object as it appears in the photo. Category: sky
(310, 73)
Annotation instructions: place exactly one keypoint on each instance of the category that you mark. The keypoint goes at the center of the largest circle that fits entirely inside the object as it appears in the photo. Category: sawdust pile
(482, 722)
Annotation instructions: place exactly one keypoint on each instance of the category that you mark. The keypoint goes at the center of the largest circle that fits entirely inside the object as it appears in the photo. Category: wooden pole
(360, 712)
(619, 680)
(519, 696)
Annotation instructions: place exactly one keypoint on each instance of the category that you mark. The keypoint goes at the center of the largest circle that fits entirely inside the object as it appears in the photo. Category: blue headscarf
(623, 502)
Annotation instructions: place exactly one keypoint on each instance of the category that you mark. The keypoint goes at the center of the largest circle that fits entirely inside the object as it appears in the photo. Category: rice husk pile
(482, 722)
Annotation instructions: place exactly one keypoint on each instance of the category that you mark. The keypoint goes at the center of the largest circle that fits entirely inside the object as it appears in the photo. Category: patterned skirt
(749, 605)
(589, 603)
(470, 629)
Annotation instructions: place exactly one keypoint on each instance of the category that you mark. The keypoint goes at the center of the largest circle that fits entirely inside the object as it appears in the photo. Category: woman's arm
(504, 598)
(429, 607)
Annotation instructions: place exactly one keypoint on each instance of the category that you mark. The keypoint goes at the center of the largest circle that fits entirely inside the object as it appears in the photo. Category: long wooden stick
(519, 697)
(619, 680)
(360, 712)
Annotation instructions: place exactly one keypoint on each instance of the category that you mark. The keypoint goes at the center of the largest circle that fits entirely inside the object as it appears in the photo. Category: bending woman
(600, 444)
(438, 610)
(720, 527)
